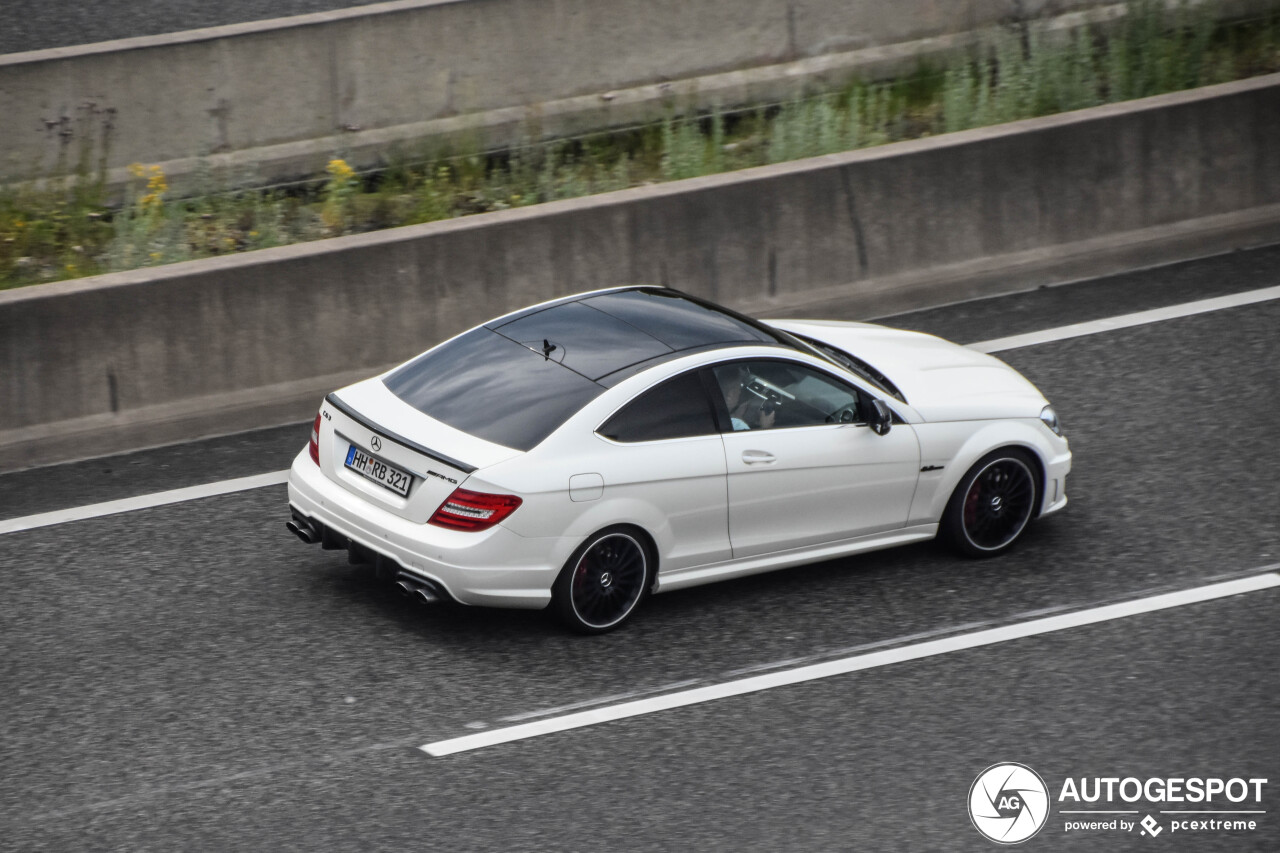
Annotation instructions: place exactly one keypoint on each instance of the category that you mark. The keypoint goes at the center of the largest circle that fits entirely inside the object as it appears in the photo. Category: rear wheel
(603, 582)
(992, 505)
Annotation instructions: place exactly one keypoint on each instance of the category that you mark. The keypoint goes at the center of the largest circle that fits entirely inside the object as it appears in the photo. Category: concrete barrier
(207, 347)
(277, 98)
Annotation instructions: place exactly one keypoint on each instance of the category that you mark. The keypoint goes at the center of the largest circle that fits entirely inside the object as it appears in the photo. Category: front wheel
(992, 504)
(602, 583)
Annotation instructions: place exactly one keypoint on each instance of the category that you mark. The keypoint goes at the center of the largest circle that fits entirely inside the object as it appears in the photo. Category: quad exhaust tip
(411, 587)
(417, 590)
(303, 531)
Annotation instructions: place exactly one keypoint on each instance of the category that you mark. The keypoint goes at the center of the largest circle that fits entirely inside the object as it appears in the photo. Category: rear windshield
(494, 388)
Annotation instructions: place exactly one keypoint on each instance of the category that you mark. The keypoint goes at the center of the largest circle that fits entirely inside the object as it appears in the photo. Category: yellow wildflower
(157, 186)
(342, 182)
(339, 171)
(157, 183)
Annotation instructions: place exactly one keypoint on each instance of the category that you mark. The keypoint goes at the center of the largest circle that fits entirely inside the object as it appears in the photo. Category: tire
(604, 581)
(992, 505)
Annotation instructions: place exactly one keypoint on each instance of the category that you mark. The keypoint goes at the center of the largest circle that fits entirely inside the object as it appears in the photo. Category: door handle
(758, 457)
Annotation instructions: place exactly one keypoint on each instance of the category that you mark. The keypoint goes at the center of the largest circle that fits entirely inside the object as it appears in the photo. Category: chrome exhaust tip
(303, 531)
(419, 590)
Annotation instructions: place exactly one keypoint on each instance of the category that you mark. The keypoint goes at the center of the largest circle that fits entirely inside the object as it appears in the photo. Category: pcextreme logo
(1009, 803)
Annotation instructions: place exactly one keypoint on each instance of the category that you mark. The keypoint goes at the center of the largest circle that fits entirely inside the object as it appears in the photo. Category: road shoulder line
(1127, 321)
(155, 499)
(856, 663)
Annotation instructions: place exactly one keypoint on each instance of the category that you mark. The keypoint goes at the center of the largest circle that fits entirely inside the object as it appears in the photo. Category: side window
(678, 408)
(775, 394)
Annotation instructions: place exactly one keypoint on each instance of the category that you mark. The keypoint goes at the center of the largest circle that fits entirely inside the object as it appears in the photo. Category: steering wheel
(843, 415)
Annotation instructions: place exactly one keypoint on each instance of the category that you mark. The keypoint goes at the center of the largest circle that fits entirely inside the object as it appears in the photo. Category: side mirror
(879, 417)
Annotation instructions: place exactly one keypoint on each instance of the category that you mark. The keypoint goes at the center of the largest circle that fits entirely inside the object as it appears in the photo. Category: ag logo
(1008, 803)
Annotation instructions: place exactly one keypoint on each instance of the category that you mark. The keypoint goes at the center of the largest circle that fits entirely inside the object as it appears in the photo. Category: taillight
(468, 510)
(314, 446)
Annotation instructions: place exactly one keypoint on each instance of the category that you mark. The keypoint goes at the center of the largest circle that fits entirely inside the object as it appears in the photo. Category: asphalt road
(193, 677)
(38, 24)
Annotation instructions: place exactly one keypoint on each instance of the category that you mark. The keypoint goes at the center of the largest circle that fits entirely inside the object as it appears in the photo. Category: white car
(588, 451)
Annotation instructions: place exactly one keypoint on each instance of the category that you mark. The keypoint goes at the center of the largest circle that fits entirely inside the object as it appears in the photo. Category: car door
(803, 466)
(668, 454)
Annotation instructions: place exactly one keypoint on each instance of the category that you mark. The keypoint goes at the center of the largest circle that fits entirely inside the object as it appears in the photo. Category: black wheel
(992, 505)
(603, 581)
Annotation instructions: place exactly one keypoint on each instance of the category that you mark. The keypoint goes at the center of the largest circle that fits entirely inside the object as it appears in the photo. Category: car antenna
(547, 348)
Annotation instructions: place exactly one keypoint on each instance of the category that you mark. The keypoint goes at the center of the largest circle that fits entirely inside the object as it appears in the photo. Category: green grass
(66, 230)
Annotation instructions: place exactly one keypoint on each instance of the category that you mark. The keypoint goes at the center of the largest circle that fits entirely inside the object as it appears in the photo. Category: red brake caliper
(971, 505)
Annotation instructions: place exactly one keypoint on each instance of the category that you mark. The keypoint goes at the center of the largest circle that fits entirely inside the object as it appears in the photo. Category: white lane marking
(843, 666)
(587, 703)
(1125, 321)
(190, 493)
(1076, 330)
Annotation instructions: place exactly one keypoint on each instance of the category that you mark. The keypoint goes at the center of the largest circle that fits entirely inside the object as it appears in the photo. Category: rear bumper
(492, 568)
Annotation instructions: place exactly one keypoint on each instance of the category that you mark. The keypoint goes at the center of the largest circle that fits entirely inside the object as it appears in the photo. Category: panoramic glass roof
(515, 380)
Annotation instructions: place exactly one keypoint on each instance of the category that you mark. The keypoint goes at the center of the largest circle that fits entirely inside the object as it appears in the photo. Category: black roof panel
(516, 379)
(491, 387)
(586, 341)
(677, 320)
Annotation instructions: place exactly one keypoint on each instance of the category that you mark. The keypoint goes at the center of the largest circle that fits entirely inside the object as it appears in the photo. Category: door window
(771, 394)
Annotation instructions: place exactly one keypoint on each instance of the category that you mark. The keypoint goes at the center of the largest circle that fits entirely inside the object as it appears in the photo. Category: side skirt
(798, 557)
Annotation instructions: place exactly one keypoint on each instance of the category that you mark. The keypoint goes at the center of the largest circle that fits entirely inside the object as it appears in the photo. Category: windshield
(853, 364)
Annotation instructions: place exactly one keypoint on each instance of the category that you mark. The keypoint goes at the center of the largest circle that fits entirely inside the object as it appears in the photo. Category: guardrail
(213, 346)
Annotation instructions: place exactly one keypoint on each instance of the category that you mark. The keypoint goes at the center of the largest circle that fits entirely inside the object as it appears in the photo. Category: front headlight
(1050, 418)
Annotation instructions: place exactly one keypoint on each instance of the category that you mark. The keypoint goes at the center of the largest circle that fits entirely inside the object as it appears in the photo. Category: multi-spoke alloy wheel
(992, 505)
(603, 582)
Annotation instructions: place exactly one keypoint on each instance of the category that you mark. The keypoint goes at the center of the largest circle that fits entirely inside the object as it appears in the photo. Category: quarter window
(678, 408)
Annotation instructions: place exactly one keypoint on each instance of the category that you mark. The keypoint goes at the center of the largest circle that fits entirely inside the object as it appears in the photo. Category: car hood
(941, 380)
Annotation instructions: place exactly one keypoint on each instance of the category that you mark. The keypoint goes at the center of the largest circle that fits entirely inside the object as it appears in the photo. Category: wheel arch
(640, 515)
(994, 436)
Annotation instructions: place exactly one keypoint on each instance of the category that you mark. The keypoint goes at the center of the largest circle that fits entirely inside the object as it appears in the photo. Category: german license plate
(381, 472)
